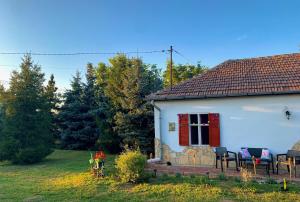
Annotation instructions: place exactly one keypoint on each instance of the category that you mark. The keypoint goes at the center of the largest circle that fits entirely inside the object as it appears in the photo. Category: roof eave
(220, 96)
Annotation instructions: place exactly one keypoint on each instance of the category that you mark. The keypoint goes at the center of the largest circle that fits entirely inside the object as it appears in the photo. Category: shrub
(246, 176)
(130, 165)
(31, 155)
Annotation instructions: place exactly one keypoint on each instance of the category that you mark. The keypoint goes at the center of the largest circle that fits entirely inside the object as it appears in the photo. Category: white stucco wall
(244, 121)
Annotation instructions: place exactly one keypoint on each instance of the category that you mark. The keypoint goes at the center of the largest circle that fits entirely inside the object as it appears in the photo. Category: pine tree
(108, 138)
(129, 82)
(2, 91)
(114, 86)
(53, 104)
(70, 116)
(26, 136)
(90, 129)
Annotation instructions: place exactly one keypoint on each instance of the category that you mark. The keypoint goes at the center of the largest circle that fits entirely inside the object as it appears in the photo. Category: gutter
(191, 97)
(160, 136)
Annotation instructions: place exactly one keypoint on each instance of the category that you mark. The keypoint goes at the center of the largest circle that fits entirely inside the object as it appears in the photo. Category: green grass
(64, 176)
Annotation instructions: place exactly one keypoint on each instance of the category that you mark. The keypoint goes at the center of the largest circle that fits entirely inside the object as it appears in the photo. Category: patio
(261, 174)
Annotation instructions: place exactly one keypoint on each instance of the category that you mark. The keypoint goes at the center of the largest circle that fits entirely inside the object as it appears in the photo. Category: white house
(240, 103)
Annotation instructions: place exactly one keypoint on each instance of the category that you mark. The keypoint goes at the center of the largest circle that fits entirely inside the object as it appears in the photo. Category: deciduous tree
(181, 73)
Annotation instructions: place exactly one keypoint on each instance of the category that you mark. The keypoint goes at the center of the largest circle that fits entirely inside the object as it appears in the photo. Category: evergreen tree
(108, 138)
(129, 81)
(2, 91)
(26, 136)
(70, 116)
(53, 104)
(115, 78)
(90, 130)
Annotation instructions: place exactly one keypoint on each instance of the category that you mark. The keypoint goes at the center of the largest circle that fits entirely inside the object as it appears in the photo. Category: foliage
(222, 177)
(130, 165)
(109, 110)
(2, 92)
(108, 138)
(181, 73)
(53, 103)
(246, 176)
(86, 116)
(26, 136)
(71, 119)
(178, 175)
(129, 81)
(270, 180)
(90, 108)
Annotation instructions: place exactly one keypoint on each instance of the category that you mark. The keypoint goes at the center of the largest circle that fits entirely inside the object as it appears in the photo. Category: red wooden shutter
(183, 120)
(214, 129)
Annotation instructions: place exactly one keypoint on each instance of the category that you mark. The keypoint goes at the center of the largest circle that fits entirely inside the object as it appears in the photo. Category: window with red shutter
(199, 129)
(214, 129)
(183, 122)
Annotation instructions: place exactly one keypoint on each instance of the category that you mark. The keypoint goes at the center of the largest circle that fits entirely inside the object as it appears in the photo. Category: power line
(182, 56)
(43, 67)
(75, 54)
(81, 53)
(8, 66)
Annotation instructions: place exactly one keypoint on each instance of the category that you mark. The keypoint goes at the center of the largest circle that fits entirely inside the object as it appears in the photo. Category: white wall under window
(254, 121)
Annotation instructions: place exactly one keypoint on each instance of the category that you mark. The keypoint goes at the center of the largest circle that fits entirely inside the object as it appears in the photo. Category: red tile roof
(278, 74)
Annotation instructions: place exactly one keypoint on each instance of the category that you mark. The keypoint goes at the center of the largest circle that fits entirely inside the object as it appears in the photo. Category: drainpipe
(159, 131)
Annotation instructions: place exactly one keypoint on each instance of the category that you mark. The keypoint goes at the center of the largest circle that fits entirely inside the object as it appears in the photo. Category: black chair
(223, 155)
(294, 157)
(256, 154)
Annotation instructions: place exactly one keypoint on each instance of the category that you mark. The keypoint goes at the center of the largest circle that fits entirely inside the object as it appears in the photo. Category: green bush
(31, 155)
(130, 165)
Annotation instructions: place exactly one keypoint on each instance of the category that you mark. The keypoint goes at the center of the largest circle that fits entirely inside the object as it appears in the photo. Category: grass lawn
(64, 176)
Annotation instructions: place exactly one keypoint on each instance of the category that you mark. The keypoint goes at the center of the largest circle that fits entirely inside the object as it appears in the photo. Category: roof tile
(279, 74)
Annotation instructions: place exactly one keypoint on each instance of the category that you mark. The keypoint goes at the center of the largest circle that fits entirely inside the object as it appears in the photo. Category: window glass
(204, 118)
(193, 118)
(194, 135)
(204, 134)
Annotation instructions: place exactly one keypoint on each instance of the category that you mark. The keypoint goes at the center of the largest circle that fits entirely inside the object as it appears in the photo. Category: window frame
(199, 124)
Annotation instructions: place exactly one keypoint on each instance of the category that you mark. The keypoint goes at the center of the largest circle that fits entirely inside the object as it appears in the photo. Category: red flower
(99, 155)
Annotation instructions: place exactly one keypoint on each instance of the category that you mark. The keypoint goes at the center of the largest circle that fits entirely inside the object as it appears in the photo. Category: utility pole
(171, 66)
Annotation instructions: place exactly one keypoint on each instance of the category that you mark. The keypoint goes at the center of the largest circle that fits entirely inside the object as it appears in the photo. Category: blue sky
(209, 31)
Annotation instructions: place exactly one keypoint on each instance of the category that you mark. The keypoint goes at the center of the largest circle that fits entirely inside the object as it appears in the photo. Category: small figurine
(91, 161)
(97, 163)
(284, 185)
